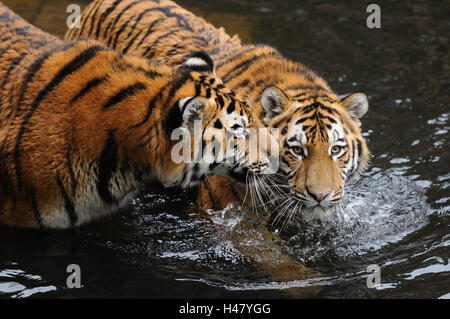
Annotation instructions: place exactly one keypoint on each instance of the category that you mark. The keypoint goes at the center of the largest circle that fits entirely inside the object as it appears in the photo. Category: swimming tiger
(320, 140)
(82, 126)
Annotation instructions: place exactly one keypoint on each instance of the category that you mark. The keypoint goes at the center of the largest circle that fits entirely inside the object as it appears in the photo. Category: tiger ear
(273, 101)
(357, 105)
(198, 61)
(185, 112)
(192, 109)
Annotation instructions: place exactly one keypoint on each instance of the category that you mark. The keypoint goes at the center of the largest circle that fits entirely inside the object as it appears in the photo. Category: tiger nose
(318, 196)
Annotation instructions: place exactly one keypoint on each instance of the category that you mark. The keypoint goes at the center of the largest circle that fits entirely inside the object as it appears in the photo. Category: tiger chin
(83, 127)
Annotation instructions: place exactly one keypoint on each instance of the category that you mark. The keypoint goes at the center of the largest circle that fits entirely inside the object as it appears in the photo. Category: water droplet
(399, 160)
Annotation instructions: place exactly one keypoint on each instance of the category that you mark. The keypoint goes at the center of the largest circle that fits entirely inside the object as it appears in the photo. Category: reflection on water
(396, 215)
(12, 283)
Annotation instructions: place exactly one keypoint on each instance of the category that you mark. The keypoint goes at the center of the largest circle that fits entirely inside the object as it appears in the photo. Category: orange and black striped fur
(82, 127)
(321, 146)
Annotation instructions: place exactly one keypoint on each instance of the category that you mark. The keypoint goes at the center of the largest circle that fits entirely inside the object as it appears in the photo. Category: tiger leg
(252, 237)
(216, 192)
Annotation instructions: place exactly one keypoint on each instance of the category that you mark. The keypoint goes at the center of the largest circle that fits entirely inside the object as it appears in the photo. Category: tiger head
(217, 133)
(321, 146)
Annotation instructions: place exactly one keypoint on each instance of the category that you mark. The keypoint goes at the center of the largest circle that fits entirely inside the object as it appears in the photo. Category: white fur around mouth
(316, 212)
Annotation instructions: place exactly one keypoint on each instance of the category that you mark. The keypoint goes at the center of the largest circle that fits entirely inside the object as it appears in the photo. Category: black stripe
(6, 38)
(244, 65)
(218, 124)
(31, 72)
(21, 31)
(124, 93)
(332, 120)
(106, 13)
(285, 162)
(117, 34)
(301, 120)
(229, 59)
(231, 107)
(79, 61)
(70, 140)
(214, 51)
(150, 108)
(352, 157)
(220, 101)
(34, 68)
(181, 20)
(9, 46)
(91, 27)
(208, 93)
(234, 191)
(89, 86)
(147, 137)
(136, 22)
(311, 107)
(211, 197)
(34, 206)
(242, 84)
(72, 174)
(148, 52)
(307, 87)
(194, 41)
(107, 165)
(70, 208)
(149, 30)
(6, 15)
(326, 108)
(13, 64)
(302, 94)
(112, 26)
(185, 105)
(174, 118)
(198, 89)
(177, 84)
(125, 50)
(359, 147)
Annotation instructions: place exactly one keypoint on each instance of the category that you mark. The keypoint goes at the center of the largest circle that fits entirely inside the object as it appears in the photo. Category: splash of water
(382, 207)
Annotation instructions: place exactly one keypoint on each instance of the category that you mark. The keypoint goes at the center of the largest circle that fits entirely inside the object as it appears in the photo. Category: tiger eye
(298, 150)
(335, 149)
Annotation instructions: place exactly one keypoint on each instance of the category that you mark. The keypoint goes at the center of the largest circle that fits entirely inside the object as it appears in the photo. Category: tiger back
(83, 127)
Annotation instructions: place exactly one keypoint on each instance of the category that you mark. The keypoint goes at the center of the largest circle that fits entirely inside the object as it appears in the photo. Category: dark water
(398, 212)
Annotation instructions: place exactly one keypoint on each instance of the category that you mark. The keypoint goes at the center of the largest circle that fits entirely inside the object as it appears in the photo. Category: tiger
(84, 127)
(320, 140)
